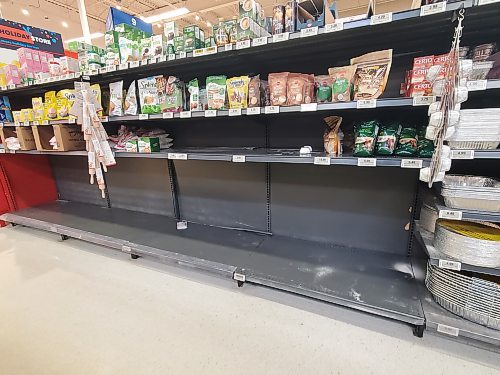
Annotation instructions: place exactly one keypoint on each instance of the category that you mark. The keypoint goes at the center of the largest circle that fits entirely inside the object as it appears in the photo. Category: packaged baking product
(237, 92)
(148, 96)
(290, 16)
(116, 98)
(342, 81)
(278, 19)
(50, 105)
(309, 89)
(203, 99)
(130, 103)
(483, 51)
(37, 104)
(333, 136)
(193, 89)
(278, 88)
(96, 89)
(407, 144)
(387, 138)
(295, 88)
(254, 92)
(365, 136)
(216, 92)
(323, 85)
(372, 72)
(425, 146)
(64, 102)
(174, 96)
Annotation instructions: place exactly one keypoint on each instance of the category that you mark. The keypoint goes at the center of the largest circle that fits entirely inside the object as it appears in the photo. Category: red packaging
(421, 89)
(418, 75)
(423, 62)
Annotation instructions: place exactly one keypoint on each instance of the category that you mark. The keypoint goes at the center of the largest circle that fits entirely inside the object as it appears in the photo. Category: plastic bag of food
(333, 136)
(425, 146)
(372, 72)
(323, 86)
(50, 105)
(309, 89)
(64, 101)
(407, 144)
(148, 96)
(37, 105)
(342, 79)
(295, 89)
(216, 92)
(193, 89)
(96, 89)
(387, 138)
(170, 93)
(365, 136)
(254, 92)
(130, 104)
(237, 91)
(278, 88)
(116, 98)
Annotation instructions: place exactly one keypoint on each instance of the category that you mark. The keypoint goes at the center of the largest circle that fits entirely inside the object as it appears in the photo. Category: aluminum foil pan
(428, 218)
(472, 298)
(465, 181)
(468, 242)
(471, 192)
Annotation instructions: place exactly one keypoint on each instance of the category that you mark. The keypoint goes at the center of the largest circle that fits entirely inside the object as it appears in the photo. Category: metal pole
(84, 21)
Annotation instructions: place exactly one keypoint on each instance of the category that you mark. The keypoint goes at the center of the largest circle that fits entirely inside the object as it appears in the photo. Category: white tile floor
(74, 308)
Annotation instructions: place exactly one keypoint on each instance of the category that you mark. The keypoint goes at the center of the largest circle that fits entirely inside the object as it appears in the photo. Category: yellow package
(97, 92)
(237, 92)
(3, 80)
(50, 106)
(64, 101)
(17, 116)
(37, 104)
(27, 115)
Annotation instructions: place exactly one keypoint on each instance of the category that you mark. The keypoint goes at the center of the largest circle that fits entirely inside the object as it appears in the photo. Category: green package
(170, 93)
(148, 144)
(387, 138)
(365, 135)
(216, 92)
(425, 146)
(148, 96)
(407, 144)
(193, 89)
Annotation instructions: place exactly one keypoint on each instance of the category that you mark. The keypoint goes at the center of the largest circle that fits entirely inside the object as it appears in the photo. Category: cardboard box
(192, 38)
(315, 13)
(249, 29)
(248, 8)
(148, 144)
(68, 65)
(36, 61)
(158, 45)
(146, 51)
(170, 30)
(23, 133)
(111, 39)
(68, 137)
(12, 75)
(179, 44)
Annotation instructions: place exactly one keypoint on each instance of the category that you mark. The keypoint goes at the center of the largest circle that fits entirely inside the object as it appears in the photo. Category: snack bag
(309, 90)
(171, 94)
(342, 78)
(216, 92)
(148, 96)
(37, 104)
(194, 95)
(425, 146)
(278, 88)
(295, 89)
(407, 145)
(116, 98)
(365, 135)
(323, 85)
(130, 104)
(372, 72)
(96, 89)
(254, 92)
(387, 138)
(237, 90)
(64, 101)
(333, 136)
(50, 106)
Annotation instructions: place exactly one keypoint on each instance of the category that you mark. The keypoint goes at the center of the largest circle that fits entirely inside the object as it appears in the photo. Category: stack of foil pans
(472, 298)
(471, 192)
(472, 243)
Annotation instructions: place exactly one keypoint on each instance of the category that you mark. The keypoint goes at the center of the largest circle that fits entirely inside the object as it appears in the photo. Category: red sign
(15, 34)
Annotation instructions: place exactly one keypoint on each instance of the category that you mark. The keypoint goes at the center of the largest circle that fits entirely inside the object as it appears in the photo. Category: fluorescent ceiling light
(164, 16)
(82, 39)
(118, 7)
(25, 12)
(64, 24)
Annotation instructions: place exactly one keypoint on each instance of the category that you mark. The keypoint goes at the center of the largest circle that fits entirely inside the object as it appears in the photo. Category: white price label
(134, 64)
(171, 57)
(381, 18)
(12, 151)
(332, 27)
(103, 70)
(144, 62)
(182, 55)
(322, 160)
(426, 10)
(253, 111)
(281, 37)
(366, 103)
(199, 52)
(161, 59)
(185, 114)
(228, 47)
(11, 87)
(423, 100)
(478, 85)
(447, 330)
(86, 78)
(78, 74)
(485, 2)
(26, 123)
(35, 123)
(309, 107)
(72, 120)
(239, 158)
(239, 277)
(450, 214)
(94, 72)
(104, 119)
(127, 249)
(3, 88)
(210, 113)
(235, 112)
(412, 163)
(175, 156)
(111, 68)
(52, 79)
(123, 66)
(210, 50)
(143, 116)
(167, 115)
(367, 162)
(270, 109)
(2, 151)
(310, 31)
(17, 123)
(242, 44)
(45, 80)
(45, 122)
(181, 225)
(450, 265)
(259, 41)
(462, 154)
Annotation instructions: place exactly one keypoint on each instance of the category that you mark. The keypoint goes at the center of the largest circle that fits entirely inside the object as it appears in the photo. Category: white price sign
(175, 156)
(239, 277)
(423, 100)
(103, 70)
(111, 68)
(171, 57)
(462, 154)
(134, 64)
(26, 123)
(412, 163)
(72, 120)
(228, 47)
(367, 162)
(11, 87)
(259, 41)
(182, 55)
(235, 112)
(322, 160)
(34, 123)
(161, 58)
(447, 330)
(310, 31)
(426, 10)
(94, 72)
(478, 85)
(78, 74)
(309, 107)
(127, 249)
(333, 27)
(270, 109)
(242, 44)
(17, 123)
(450, 214)
(167, 115)
(366, 103)
(239, 159)
(3, 88)
(253, 111)
(2, 151)
(144, 62)
(381, 18)
(281, 37)
(199, 52)
(123, 66)
(210, 113)
(185, 114)
(104, 119)
(45, 122)
(181, 225)
(485, 2)
(143, 116)
(450, 265)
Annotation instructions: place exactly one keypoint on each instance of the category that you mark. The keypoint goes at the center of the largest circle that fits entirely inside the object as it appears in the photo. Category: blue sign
(116, 17)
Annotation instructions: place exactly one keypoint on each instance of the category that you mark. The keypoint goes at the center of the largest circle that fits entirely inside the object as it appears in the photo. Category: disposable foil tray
(471, 192)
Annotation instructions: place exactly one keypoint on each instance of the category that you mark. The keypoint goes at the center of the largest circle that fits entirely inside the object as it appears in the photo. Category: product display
(116, 99)
(216, 92)
(148, 96)
(237, 90)
(365, 138)
(471, 192)
(372, 72)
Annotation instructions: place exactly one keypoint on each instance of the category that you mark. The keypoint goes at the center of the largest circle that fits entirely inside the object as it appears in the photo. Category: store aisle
(74, 308)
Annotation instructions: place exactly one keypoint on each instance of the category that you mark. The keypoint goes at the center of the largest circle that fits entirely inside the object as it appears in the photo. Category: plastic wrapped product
(309, 90)
(278, 88)
(254, 92)
(237, 90)
(342, 78)
(372, 72)
(365, 136)
(130, 104)
(116, 98)
(216, 92)
(295, 90)
(170, 93)
(333, 136)
(64, 101)
(50, 105)
(425, 146)
(407, 144)
(193, 89)
(148, 96)
(323, 86)
(387, 138)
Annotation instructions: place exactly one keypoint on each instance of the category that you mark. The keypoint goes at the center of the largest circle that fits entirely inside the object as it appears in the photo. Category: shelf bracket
(240, 277)
(418, 330)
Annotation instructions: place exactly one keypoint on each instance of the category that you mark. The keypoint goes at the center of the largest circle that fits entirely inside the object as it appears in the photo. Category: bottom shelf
(374, 282)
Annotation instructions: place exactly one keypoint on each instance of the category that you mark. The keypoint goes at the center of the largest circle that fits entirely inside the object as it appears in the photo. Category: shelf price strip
(450, 214)
(426, 10)
(239, 159)
(381, 18)
(242, 44)
(210, 113)
(412, 163)
(366, 103)
(333, 27)
(176, 156)
(447, 330)
(167, 115)
(259, 41)
(462, 154)
(270, 109)
(235, 112)
(423, 100)
(367, 162)
(281, 37)
(322, 160)
(478, 85)
(253, 111)
(485, 2)
(309, 31)
(449, 265)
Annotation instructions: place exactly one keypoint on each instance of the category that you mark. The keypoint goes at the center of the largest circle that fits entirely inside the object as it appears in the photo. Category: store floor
(74, 308)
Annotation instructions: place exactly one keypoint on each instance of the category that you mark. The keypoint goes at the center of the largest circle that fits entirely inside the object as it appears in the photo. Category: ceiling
(49, 14)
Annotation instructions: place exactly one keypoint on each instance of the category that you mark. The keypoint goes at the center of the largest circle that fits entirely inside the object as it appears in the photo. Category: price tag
(210, 113)
(12, 151)
(167, 115)
(104, 119)
(94, 72)
(17, 123)
(485, 2)
(235, 112)
(426, 10)
(412, 163)
(52, 79)
(367, 162)
(333, 27)
(78, 74)
(175, 156)
(199, 52)
(447, 330)
(72, 120)
(26, 123)
(322, 160)
(310, 31)
(253, 111)
(423, 100)
(123, 66)
(171, 57)
(35, 123)
(143, 116)
(182, 55)
(478, 85)
(270, 109)
(450, 214)
(242, 44)
(11, 87)
(45, 80)
(185, 114)
(462, 154)
(450, 265)
(2, 151)
(3, 88)
(103, 70)
(181, 225)
(134, 64)
(228, 47)
(281, 37)
(239, 277)
(161, 59)
(366, 103)
(210, 50)
(239, 158)
(259, 41)
(127, 249)
(45, 122)
(111, 68)
(381, 18)
(144, 62)
(310, 107)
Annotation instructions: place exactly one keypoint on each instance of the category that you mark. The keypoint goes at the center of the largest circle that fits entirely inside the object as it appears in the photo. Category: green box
(192, 38)
(112, 56)
(210, 42)
(179, 43)
(149, 144)
(231, 27)
(249, 8)
(146, 52)
(111, 39)
(252, 30)
(132, 145)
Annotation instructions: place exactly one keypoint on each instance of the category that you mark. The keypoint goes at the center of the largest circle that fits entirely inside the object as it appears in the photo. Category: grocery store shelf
(487, 154)
(54, 83)
(374, 282)
(462, 214)
(441, 260)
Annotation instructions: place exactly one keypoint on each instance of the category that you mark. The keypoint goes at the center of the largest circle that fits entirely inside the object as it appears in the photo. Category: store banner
(116, 17)
(14, 35)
